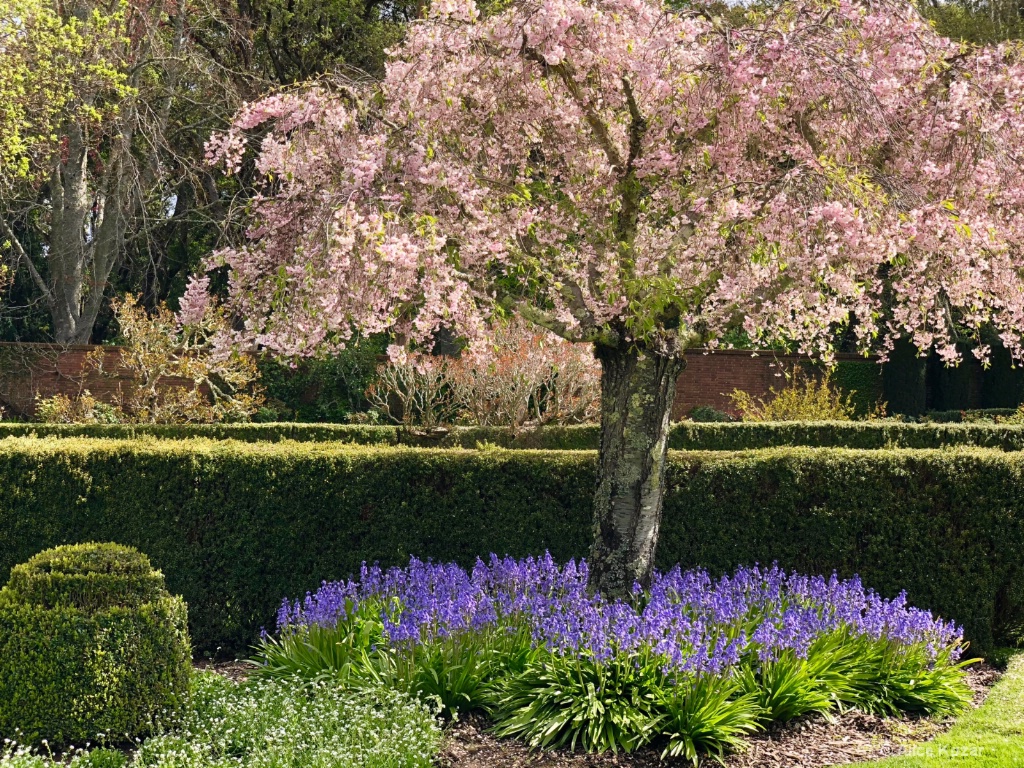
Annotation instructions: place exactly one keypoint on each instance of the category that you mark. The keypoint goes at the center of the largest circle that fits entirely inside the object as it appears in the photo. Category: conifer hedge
(236, 526)
(686, 436)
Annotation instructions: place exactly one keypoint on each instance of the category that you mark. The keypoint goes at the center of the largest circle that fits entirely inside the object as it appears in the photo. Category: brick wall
(709, 377)
(28, 371)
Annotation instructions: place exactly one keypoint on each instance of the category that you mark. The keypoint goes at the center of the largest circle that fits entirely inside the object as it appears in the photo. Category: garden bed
(533, 669)
(515, 663)
(812, 742)
(808, 742)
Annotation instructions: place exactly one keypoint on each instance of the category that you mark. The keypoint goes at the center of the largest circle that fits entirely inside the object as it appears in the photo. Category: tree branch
(24, 258)
(627, 218)
(803, 125)
(637, 124)
(597, 125)
(593, 334)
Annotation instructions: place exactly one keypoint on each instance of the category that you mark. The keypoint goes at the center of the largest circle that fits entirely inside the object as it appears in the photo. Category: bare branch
(24, 258)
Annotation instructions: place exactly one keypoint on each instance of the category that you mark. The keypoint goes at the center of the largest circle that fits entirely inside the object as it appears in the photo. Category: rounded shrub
(92, 647)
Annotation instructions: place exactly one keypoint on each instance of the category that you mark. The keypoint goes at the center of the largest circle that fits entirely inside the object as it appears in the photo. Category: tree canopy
(617, 172)
(55, 58)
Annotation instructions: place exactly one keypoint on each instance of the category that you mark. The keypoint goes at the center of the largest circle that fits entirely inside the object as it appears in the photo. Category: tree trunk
(67, 258)
(87, 227)
(637, 391)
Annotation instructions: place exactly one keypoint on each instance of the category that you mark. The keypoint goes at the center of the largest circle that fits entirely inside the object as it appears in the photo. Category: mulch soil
(809, 742)
(236, 671)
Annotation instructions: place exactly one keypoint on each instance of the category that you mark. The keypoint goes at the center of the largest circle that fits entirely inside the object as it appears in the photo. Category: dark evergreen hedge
(690, 436)
(236, 527)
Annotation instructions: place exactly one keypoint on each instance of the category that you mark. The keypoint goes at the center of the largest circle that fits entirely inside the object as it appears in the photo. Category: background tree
(977, 21)
(644, 181)
(190, 63)
(298, 40)
(43, 59)
(112, 143)
(36, 68)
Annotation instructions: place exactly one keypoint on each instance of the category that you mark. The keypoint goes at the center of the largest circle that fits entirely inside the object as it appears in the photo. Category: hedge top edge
(684, 436)
(212, 447)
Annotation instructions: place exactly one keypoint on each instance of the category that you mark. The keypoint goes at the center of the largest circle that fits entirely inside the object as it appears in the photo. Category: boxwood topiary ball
(92, 646)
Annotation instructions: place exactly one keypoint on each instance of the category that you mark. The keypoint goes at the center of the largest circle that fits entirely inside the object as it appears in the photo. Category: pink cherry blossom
(611, 169)
(194, 302)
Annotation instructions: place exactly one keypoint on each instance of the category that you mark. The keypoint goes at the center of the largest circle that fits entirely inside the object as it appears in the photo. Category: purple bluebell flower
(691, 622)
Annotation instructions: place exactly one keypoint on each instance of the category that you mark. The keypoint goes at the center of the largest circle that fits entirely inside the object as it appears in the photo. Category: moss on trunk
(637, 391)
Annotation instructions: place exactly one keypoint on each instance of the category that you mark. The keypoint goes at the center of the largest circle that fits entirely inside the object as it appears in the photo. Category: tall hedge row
(688, 436)
(236, 527)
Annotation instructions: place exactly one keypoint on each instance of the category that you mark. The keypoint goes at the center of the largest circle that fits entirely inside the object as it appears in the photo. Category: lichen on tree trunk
(637, 391)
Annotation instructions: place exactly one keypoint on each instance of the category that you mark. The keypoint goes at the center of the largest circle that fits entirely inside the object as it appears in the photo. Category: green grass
(991, 736)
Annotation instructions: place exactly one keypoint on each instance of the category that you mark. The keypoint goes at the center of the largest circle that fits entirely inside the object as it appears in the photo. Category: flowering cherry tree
(643, 180)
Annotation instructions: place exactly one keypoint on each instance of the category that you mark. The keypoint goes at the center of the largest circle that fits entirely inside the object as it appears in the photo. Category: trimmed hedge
(862, 435)
(90, 643)
(236, 527)
(686, 436)
(968, 416)
(87, 576)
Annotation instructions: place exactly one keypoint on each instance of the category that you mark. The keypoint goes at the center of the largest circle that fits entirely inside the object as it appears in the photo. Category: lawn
(991, 736)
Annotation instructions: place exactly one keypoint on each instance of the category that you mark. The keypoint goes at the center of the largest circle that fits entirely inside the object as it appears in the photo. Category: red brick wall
(28, 370)
(709, 377)
(45, 370)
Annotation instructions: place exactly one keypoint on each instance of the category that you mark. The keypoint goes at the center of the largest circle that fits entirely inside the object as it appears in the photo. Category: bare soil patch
(236, 671)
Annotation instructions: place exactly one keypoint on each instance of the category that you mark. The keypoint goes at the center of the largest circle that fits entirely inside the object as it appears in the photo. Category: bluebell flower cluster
(691, 622)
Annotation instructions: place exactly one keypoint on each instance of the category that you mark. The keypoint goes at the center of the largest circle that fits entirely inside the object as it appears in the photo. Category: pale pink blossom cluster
(195, 302)
(618, 172)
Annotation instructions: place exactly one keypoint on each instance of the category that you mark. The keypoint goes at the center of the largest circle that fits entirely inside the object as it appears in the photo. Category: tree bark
(87, 229)
(637, 392)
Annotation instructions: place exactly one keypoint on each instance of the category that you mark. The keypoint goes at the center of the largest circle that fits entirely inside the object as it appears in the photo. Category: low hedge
(969, 416)
(236, 527)
(686, 436)
(867, 435)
